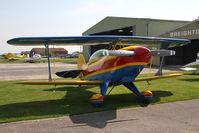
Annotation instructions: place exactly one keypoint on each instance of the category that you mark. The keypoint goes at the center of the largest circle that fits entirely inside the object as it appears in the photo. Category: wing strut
(164, 46)
(47, 51)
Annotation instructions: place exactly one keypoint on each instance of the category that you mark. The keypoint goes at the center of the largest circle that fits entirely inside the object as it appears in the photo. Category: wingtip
(12, 41)
(9, 41)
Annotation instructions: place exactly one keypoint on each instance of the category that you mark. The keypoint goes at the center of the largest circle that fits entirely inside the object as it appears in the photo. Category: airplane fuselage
(117, 69)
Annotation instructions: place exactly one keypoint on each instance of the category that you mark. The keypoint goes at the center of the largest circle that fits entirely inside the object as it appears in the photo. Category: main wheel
(147, 96)
(97, 99)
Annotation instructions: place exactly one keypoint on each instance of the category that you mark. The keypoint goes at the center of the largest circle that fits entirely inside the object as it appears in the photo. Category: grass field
(24, 102)
(2, 60)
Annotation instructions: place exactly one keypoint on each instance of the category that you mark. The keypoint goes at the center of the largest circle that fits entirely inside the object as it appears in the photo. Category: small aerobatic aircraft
(10, 56)
(193, 66)
(107, 67)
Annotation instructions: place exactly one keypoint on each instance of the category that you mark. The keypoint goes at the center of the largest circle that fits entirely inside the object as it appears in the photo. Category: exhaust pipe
(118, 53)
(162, 52)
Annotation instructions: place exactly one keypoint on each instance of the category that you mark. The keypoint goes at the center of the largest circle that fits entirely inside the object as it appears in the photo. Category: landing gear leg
(145, 95)
(98, 99)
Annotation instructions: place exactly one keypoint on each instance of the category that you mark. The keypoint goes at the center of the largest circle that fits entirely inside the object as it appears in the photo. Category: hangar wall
(153, 26)
(187, 31)
(188, 53)
(140, 26)
(111, 23)
(159, 26)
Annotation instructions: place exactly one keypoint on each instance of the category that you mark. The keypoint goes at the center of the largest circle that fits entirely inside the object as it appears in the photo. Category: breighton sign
(185, 33)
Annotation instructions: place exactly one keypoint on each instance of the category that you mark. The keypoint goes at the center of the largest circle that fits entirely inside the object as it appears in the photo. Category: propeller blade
(162, 53)
(118, 53)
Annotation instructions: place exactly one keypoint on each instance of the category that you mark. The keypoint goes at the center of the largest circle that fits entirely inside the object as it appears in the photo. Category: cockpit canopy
(96, 55)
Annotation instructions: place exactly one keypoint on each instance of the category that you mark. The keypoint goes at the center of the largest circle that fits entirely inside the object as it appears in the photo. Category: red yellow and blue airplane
(107, 67)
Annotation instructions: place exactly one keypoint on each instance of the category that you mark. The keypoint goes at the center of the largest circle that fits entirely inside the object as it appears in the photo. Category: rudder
(81, 63)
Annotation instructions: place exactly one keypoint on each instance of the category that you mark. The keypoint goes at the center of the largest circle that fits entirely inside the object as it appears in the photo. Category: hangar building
(128, 27)
(187, 53)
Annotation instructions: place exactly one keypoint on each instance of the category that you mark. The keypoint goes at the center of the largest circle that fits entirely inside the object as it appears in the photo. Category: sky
(27, 18)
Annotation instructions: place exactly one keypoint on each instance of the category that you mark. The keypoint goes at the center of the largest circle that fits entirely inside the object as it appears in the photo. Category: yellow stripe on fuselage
(115, 68)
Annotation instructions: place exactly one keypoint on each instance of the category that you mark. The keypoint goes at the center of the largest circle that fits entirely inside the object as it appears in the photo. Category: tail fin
(9, 55)
(81, 62)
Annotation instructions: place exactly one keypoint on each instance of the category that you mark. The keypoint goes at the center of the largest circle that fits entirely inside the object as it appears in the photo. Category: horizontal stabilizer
(162, 53)
(69, 74)
(118, 53)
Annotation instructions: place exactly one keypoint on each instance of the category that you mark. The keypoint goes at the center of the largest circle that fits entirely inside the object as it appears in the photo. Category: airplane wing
(91, 82)
(193, 64)
(157, 77)
(93, 40)
(190, 69)
(72, 82)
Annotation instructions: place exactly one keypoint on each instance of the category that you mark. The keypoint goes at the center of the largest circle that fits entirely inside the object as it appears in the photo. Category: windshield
(96, 55)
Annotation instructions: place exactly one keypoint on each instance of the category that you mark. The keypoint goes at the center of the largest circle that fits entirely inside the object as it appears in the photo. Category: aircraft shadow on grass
(193, 79)
(192, 73)
(73, 103)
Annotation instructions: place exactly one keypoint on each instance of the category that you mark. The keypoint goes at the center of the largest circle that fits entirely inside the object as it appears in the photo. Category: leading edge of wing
(92, 82)
(61, 82)
(157, 77)
(92, 40)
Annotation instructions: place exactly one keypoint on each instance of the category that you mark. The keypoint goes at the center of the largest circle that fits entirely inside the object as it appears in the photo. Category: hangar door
(184, 54)
(125, 31)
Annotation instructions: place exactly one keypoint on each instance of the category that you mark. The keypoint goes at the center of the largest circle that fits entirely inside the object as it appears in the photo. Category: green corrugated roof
(111, 23)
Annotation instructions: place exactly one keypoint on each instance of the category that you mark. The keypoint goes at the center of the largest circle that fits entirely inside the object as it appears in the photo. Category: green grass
(25, 102)
(69, 60)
